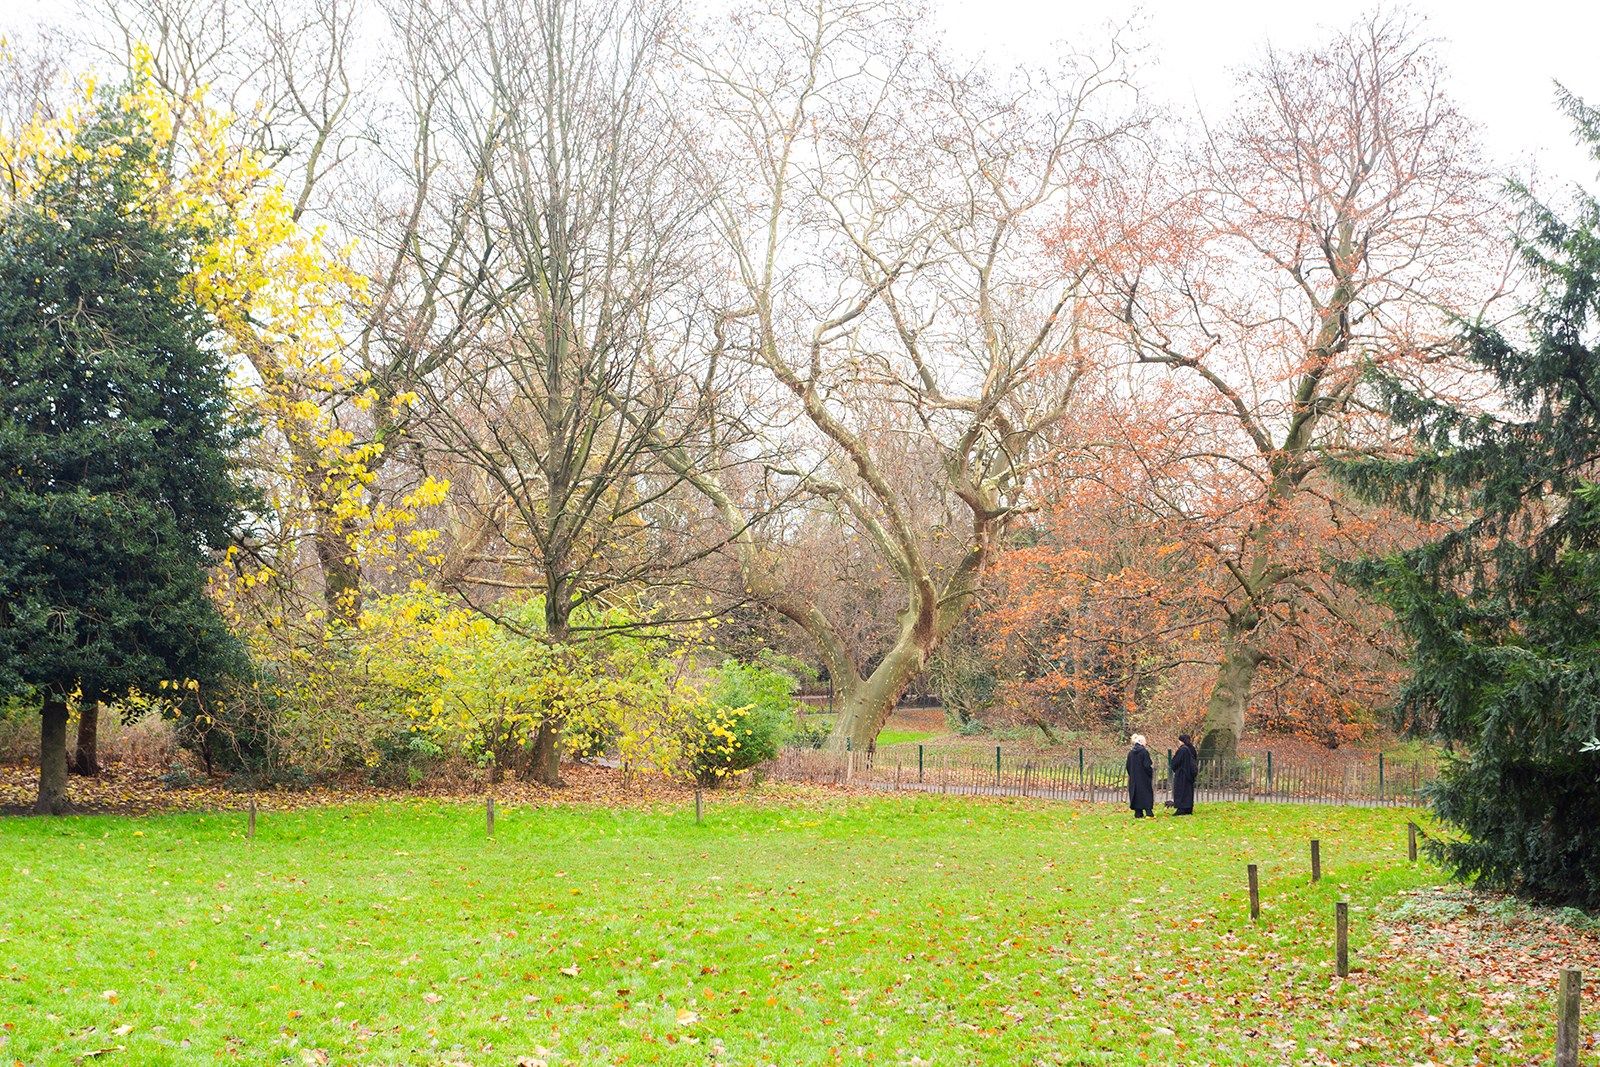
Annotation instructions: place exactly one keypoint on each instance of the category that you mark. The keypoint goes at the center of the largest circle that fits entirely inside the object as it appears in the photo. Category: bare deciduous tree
(562, 258)
(1339, 217)
(908, 260)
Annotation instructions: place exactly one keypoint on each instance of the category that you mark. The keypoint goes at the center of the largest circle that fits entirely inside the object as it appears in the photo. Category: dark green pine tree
(1504, 612)
(114, 442)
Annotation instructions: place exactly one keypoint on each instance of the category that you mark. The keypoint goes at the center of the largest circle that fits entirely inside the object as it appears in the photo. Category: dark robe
(1141, 781)
(1185, 766)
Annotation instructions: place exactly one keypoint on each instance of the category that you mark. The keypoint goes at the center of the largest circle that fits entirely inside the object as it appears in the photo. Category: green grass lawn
(904, 737)
(801, 928)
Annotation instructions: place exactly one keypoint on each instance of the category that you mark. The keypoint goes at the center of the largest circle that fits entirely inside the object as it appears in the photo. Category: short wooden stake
(1411, 841)
(1569, 1002)
(488, 811)
(1255, 892)
(1316, 860)
(250, 831)
(1341, 933)
(699, 807)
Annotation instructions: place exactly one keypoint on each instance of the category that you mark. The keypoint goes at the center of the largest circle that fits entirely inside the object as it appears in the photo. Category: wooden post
(1341, 933)
(488, 815)
(1569, 1005)
(897, 775)
(699, 808)
(1255, 892)
(250, 830)
(1380, 777)
(997, 766)
(1411, 841)
(1316, 860)
(919, 764)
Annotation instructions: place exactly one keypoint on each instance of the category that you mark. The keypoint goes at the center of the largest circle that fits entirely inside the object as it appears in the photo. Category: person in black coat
(1141, 779)
(1185, 766)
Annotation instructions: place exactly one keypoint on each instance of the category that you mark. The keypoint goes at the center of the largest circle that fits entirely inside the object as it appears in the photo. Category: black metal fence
(916, 767)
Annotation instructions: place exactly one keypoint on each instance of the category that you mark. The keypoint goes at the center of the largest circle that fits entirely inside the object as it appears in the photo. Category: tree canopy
(1504, 607)
(114, 434)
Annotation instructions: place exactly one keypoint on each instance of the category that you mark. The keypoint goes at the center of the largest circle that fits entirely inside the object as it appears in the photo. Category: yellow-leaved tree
(278, 294)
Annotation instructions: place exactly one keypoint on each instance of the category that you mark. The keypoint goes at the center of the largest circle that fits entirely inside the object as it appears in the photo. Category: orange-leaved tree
(1339, 218)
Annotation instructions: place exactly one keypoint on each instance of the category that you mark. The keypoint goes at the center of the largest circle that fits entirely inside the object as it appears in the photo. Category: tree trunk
(53, 758)
(865, 705)
(544, 761)
(341, 571)
(86, 757)
(1229, 696)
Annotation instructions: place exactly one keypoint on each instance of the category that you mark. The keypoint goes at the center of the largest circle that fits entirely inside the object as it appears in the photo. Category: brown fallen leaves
(125, 790)
(130, 790)
(1508, 953)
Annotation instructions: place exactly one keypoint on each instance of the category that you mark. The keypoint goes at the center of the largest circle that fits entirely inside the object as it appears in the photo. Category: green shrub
(809, 732)
(748, 712)
(404, 758)
(964, 725)
(178, 777)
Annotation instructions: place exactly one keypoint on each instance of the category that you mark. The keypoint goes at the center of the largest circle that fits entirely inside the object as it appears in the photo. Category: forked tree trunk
(865, 705)
(86, 757)
(52, 758)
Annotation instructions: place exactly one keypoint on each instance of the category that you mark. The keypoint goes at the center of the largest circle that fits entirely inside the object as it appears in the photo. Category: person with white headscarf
(1141, 779)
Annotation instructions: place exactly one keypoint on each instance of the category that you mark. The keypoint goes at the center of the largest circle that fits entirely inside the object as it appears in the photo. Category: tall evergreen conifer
(114, 439)
(1504, 610)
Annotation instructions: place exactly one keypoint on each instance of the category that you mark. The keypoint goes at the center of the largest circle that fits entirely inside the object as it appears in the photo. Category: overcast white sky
(1501, 57)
